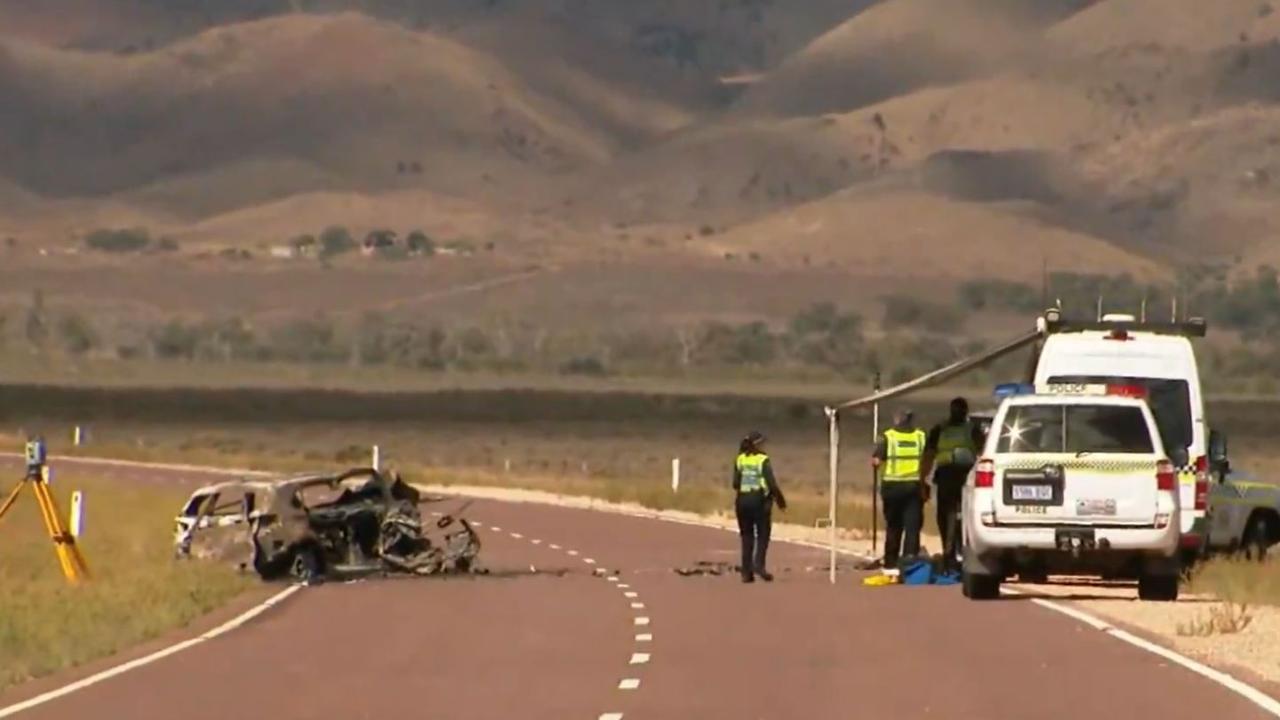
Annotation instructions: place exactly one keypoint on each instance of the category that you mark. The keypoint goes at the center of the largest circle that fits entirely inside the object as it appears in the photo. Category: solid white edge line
(109, 673)
(1254, 695)
(629, 684)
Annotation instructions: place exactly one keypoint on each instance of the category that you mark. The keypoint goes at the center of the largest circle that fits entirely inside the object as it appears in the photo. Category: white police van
(1072, 480)
(1158, 357)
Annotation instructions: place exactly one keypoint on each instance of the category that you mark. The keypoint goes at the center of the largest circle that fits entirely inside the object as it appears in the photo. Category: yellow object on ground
(878, 580)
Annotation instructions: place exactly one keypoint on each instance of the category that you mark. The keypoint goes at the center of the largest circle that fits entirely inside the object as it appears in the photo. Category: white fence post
(675, 475)
(377, 458)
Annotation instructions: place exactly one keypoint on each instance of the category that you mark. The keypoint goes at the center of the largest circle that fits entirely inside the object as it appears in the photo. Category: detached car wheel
(1160, 588)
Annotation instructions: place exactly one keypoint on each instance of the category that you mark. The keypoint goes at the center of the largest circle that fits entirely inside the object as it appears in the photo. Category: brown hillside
(902, 45)
(357, 97)
(911, 234)
(1198, 26)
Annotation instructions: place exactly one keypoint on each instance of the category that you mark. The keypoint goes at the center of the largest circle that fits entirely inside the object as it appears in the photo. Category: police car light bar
(1005, 390)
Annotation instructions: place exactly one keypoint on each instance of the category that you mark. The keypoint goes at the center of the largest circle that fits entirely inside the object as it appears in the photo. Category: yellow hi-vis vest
(751, 473)
(903, 451)
(953, 438)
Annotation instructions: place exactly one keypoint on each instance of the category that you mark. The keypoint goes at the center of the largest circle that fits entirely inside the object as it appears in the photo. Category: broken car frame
(355, 523)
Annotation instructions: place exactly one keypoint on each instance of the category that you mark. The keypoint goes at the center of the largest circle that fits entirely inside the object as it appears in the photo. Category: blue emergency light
(1005, 390)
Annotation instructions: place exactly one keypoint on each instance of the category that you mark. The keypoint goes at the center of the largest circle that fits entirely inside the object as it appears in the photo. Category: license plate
(1031, 509)
(1096, 508)
(1033, 493)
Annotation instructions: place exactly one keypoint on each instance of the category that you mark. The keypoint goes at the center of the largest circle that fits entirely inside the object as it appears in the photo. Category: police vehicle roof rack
(1055, 322)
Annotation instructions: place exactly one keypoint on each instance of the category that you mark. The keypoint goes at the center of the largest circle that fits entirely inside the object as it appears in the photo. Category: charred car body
(355, 523)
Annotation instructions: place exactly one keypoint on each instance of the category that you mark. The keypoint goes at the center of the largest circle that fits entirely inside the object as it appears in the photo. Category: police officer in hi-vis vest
(950, 452)
(757, 491)
(898, 456)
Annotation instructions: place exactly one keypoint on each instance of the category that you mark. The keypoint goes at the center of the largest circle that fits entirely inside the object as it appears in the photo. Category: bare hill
(902, 45)
(379, 105)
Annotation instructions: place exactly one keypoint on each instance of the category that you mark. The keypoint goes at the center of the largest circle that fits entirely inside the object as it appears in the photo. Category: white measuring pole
(833, 421)
(377, 458)
(675, 474)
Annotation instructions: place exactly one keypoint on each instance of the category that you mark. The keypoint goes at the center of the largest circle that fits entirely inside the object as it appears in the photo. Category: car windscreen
(1169, 400)
(1074, 429)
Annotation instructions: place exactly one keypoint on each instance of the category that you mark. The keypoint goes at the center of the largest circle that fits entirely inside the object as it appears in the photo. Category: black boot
(765, 575)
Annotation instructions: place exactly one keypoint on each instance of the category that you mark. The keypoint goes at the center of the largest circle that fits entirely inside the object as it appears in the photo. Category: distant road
(549, 635)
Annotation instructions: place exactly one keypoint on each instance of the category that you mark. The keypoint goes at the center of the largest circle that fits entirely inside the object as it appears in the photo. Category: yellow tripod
(73, 565)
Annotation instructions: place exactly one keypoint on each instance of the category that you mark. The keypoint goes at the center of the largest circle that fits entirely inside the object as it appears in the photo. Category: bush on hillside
(118, 241)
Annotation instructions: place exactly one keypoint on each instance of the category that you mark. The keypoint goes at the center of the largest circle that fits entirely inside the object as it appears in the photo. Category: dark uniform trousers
(950, 492)
(903, 516)
(755, 523)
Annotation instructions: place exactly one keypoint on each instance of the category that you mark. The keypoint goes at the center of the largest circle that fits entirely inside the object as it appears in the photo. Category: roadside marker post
(377, 458)
(675, 475)
(77, 514)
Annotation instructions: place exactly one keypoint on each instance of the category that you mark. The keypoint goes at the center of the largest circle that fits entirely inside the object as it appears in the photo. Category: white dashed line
(589, 561)
(639, 658)
(554, 546)
(495, 528)
(517, 536)
(614, 578)
(624, 586)
(642, 621)
(629, 684)
(637, 606)
(536, 542)
(611, 716)
(573, 553)
(477, 524)
(435, 513)
(644, 637)
(631, 594)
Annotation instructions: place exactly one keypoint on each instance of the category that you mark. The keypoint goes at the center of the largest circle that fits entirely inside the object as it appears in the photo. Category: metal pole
(833, 423)
(875, 490)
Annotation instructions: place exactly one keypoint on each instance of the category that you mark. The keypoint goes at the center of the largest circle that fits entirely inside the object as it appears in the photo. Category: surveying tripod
(73, 565)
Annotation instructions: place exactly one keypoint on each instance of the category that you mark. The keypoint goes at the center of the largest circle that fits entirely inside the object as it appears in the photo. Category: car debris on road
(356, 523)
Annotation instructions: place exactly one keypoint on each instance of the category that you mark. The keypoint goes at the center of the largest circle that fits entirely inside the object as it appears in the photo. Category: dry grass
(137, 592)
(1241, 582)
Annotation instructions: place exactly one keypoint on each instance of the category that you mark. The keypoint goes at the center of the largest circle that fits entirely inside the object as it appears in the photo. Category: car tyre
(1257, 537)
(980, 587)
(1160, 588)
(305, 566)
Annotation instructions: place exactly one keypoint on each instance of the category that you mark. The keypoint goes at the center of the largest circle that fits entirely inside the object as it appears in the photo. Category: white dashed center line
(637, 658)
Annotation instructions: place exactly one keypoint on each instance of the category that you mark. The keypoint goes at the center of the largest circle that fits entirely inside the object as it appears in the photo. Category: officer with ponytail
(757, 491)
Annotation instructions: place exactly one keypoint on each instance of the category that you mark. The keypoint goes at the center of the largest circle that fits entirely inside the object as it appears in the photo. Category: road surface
(549, 636)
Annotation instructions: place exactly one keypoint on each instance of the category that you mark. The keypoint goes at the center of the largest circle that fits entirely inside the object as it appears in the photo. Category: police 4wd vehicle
(1072, 480)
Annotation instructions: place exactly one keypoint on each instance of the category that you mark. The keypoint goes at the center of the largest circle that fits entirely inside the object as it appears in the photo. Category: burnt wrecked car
(355, 523)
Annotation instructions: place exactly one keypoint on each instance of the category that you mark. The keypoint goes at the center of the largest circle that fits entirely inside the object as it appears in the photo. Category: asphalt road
(547, 635)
